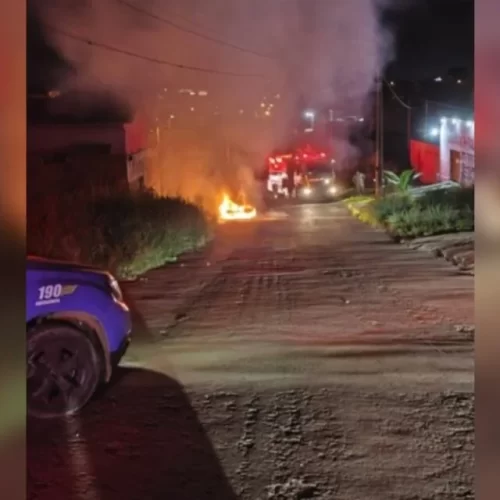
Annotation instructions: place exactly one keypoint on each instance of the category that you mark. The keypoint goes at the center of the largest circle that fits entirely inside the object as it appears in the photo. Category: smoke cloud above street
(280, 53)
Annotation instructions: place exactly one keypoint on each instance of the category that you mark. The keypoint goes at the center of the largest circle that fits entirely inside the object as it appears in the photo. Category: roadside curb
(456, 248)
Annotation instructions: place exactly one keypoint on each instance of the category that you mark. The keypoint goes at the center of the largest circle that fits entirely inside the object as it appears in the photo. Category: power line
(407, 106)
(439, 103)
(111, 48)
(193, 32)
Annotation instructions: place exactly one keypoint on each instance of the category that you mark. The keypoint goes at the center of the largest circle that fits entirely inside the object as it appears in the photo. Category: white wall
(457, 135)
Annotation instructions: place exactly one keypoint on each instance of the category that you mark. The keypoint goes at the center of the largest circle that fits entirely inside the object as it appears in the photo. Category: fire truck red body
(285, 170)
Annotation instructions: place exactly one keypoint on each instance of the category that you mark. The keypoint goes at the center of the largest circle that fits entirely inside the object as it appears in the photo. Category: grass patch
(361, 207)
(125, 233)
(407, 216)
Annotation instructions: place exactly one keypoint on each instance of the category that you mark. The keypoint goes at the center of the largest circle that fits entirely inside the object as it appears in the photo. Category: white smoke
(324, 52)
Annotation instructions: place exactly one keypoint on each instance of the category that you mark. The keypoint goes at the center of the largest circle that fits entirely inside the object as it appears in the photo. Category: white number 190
(49, 292)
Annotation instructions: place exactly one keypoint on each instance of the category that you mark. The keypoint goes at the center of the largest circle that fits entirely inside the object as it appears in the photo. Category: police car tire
(87, 352)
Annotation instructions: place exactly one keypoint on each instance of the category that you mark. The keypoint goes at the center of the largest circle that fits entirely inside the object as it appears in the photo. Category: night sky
(431, 36)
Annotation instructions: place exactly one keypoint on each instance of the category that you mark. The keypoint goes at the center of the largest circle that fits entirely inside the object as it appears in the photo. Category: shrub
(383, 208)
(458, 198)
(435, 212)
(125, 233)
(430, 220)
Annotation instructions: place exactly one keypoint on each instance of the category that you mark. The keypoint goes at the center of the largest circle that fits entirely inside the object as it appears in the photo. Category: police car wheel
(63, 370)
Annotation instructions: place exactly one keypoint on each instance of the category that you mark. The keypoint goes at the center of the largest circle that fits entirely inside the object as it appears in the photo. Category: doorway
(455, 165)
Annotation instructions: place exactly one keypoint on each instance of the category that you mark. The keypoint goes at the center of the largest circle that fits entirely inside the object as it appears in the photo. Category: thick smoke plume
(314, 52)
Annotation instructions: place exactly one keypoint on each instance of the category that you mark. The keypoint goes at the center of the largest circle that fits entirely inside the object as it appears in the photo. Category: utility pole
(158, 158)
(381, 168)
(409, 118)
(426, 115)
(378, 135)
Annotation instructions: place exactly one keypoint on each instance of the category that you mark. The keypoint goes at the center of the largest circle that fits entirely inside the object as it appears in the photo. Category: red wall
(136, 135)
(424, 158)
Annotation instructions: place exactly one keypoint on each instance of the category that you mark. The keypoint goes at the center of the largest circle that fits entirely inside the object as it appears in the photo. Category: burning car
(230, 210)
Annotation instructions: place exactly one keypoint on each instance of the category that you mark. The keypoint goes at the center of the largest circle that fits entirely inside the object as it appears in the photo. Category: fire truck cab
(303, 174)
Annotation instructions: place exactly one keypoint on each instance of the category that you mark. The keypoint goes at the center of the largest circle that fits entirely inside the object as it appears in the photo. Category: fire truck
(277, 174)
(304, 173)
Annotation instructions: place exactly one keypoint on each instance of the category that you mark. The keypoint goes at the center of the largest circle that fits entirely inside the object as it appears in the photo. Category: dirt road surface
(302, 356)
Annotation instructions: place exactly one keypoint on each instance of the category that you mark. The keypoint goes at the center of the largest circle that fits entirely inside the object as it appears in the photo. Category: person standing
(290, 170)
(359, 182)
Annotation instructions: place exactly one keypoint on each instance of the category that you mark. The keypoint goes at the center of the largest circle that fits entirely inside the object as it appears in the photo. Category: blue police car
(78, 328)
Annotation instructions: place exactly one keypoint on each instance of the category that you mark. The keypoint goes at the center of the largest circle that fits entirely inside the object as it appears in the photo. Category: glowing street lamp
(310, 115)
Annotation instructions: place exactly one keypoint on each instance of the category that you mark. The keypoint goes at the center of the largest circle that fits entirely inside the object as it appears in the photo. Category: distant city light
(192, 109)
(262, 104)
(361, 120)
(309, 114)
(392, 84)
(455, 121)
(434, 132)
(470, 123)
(203, 93)
(267, 112)
(443, 120)
(459, 81)
(438, 79)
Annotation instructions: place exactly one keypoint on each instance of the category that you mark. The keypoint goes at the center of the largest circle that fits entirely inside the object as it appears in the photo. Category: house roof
(78, 108)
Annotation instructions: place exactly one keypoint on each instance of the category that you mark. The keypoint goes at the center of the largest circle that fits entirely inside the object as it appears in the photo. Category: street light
(310, 115)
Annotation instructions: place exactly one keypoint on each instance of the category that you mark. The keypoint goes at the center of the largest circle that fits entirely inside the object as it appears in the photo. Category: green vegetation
(125, 233)
(402, 182)
(406, 216)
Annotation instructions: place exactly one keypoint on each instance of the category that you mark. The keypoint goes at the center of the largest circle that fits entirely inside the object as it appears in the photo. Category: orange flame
(229, 210)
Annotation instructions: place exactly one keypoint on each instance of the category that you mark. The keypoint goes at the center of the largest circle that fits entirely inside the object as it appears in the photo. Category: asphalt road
(303, 355)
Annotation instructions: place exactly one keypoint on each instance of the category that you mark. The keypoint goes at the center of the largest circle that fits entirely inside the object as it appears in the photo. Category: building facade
(456, 151)
(122, 146)
(450, 157)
